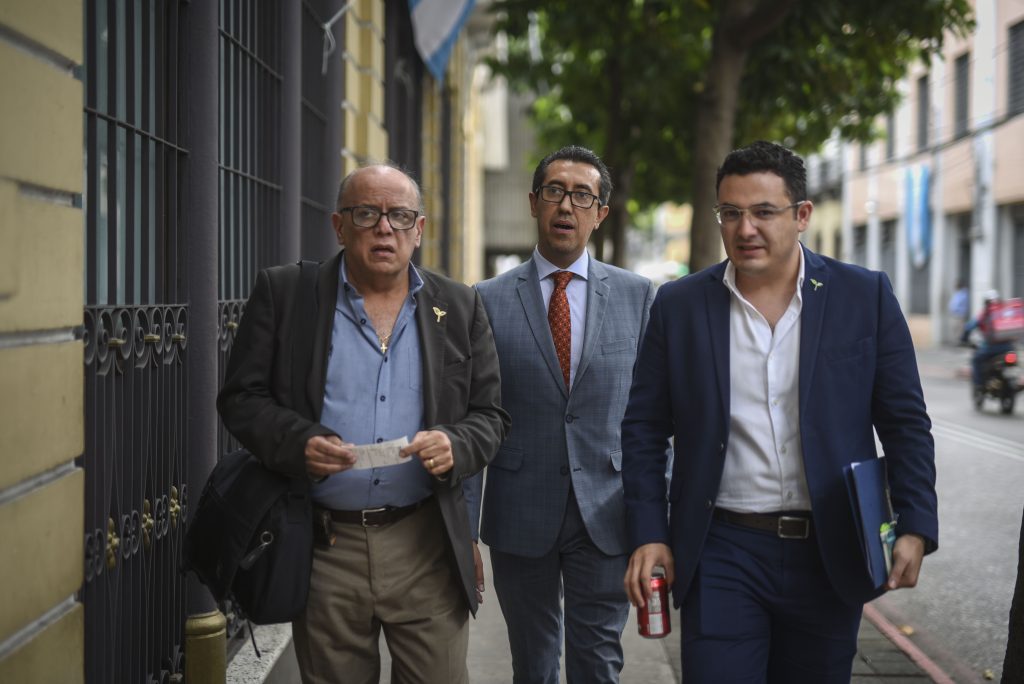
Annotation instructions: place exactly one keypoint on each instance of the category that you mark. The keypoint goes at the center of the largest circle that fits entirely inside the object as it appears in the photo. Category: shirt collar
(730, 277)
(546, 268)
(415, 281)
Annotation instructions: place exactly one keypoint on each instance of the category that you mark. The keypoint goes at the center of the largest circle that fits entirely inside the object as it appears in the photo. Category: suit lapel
(432, 328)
(718, 300)
(327, 301)
(597, 304)
(528, 290)
(815, 296)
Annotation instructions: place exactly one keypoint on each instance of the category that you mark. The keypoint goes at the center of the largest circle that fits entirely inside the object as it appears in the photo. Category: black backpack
(251, 538)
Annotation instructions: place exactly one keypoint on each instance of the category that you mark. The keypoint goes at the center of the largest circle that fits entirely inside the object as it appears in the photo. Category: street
(959, 610)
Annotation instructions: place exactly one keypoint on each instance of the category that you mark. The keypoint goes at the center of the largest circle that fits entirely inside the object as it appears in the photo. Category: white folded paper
(380, 455)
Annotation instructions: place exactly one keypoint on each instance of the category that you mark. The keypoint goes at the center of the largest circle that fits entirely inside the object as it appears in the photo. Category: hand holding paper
(434, 449)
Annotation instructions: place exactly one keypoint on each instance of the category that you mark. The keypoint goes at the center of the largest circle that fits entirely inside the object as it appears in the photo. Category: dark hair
(386, 163)
(764, 156)
(576, 153)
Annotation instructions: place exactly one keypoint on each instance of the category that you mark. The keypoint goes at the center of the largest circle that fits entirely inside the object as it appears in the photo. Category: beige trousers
(399, 577)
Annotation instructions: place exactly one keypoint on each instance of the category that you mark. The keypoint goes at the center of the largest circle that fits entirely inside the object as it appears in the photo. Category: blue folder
(868, 486)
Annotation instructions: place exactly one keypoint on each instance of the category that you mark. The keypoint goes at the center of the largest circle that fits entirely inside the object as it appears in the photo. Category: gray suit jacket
(273, 418)
(560, 438)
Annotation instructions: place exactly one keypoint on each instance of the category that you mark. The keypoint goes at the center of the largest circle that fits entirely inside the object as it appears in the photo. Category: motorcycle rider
(988, 348)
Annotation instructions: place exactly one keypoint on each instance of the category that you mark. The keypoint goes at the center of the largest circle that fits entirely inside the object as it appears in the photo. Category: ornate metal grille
(135, 342)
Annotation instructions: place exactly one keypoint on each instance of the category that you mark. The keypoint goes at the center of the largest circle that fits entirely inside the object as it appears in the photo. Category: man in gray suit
(567, 328)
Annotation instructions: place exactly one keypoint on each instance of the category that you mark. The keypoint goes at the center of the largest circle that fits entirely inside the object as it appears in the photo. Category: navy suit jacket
(857, 372)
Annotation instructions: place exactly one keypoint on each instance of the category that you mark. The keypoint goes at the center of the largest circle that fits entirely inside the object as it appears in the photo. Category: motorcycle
(1000, 380)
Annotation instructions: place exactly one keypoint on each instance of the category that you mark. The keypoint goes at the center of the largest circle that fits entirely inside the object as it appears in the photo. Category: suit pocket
(508, 459)
(616, 460)
(616, 346)
(849, 352)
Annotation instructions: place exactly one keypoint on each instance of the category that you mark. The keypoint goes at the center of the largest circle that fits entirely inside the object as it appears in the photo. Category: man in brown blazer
(399, 352)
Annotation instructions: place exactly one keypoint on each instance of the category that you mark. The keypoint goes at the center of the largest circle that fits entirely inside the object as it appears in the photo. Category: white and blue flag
(436, 25)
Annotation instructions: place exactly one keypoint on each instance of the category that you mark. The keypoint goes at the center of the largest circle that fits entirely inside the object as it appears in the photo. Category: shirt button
(564, 470)
(782, 450)
(569, 418)
(382, 397)
(362, 321)
(789, 496)
(376, 481)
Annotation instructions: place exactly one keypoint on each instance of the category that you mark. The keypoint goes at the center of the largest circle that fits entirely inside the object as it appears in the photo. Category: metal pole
(290, 138)
(205, 631)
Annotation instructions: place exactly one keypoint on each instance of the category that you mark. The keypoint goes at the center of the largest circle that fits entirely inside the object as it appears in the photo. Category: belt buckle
(371, 511)
(788, 519)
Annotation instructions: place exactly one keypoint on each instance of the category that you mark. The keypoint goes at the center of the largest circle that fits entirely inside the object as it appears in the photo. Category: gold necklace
(384, 339)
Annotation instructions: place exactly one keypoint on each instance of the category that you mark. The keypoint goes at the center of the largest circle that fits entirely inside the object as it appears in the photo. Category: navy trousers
(760, 609)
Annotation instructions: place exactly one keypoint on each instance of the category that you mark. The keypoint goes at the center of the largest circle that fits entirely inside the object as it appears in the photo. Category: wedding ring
(430, 463)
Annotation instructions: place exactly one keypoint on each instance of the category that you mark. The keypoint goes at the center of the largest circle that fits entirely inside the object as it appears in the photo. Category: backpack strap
(305, 308)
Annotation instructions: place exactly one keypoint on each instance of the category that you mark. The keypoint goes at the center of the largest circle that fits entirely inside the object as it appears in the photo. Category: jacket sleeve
(252, 406)
(901, 420)
(478, 434)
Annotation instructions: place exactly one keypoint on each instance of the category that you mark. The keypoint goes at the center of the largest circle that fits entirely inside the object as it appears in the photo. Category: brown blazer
(461, 384)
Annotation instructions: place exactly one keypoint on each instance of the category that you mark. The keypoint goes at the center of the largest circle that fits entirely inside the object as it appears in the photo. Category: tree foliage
(662, 89)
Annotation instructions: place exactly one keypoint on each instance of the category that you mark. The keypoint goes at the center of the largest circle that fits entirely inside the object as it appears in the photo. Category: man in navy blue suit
(772, 371)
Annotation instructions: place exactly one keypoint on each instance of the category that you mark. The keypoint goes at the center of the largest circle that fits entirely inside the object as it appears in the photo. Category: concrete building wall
(41, 379)
(976, 177)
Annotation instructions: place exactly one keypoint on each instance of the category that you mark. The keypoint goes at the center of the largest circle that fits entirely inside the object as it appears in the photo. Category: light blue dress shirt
(576, 292)
(371, 397)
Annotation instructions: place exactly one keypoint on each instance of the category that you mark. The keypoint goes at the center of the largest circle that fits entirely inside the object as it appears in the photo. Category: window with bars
(135, 324)
(961, 94)
(133, 155)
(250, 121)
(1015, 102)
(923, 112)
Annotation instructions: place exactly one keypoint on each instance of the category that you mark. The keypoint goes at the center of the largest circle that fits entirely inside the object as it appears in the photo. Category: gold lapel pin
(439, 313)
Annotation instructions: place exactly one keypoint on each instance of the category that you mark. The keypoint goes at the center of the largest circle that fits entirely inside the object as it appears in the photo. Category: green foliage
(622, 76)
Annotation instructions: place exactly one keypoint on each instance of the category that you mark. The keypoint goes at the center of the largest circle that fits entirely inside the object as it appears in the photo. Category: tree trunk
(740, 25)
(716, 118)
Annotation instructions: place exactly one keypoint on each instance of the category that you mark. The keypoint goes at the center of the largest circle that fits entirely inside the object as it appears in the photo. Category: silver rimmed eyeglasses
(368, 217)
(727, 214)
(578, 198)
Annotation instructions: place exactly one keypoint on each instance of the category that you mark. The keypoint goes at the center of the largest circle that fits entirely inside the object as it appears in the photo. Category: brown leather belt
(375, 517)
(785, 525)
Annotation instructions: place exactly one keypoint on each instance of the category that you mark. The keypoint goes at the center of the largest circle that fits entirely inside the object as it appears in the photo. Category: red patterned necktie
(558, 319)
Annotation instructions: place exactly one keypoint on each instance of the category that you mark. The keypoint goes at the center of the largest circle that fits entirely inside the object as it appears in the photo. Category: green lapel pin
(816, 284)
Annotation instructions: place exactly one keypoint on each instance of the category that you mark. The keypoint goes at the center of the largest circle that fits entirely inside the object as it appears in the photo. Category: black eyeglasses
(726, 214)
(578, 198)
(368, 217)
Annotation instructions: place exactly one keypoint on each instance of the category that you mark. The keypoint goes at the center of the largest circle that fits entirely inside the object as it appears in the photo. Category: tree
(662, 89)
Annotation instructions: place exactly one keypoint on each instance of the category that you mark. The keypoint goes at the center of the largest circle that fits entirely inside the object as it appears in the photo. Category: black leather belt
(785, 525)
(375, 517)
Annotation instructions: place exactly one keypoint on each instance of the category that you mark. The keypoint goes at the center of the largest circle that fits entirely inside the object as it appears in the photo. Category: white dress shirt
(576, 292)
(764, 467)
